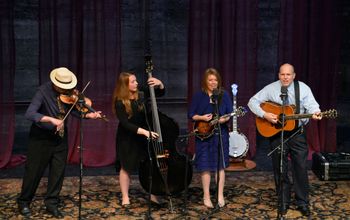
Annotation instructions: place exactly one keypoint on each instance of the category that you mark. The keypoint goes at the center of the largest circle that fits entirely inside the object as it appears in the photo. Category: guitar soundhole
(278, 125)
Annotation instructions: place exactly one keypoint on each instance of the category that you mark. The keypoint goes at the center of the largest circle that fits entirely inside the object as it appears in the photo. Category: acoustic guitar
(205, 129)
(267, 129)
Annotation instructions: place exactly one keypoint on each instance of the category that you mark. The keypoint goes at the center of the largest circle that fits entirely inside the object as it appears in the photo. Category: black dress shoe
(305, 211)
(24, 210)
(283, 209)
(55, 212)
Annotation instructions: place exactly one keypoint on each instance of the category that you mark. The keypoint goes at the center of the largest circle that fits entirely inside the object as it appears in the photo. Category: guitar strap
(297, 96)
(297, 99)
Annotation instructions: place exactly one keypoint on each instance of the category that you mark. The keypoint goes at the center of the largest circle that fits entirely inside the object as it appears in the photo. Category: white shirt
(272, 92)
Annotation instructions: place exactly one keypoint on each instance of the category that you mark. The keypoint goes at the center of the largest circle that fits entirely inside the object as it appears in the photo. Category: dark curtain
(309, 39)
(7, 76)
(84, 36)
(223, 35)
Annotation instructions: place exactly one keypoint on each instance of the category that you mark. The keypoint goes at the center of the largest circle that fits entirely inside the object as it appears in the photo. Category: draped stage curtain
(223, 35)
(84, 36)
(7, 75)
(309, 39)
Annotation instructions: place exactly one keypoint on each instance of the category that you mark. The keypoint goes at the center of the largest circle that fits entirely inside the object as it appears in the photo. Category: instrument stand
(240, 164)
(217, 208)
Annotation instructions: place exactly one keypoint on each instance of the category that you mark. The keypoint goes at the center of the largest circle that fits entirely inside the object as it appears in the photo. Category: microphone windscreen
(284, 89)
(216, 92)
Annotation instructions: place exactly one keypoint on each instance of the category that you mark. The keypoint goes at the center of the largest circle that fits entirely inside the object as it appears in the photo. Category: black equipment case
(331, 166)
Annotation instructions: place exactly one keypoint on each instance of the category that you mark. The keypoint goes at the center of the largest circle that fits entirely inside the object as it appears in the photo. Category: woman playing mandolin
(131, 139)
(203, 108)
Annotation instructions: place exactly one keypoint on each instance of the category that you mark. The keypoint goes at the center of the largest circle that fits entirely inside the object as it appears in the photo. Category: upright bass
(167, 165)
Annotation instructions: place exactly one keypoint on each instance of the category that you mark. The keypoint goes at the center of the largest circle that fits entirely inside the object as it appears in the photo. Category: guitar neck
(301, 116)
(296, 117)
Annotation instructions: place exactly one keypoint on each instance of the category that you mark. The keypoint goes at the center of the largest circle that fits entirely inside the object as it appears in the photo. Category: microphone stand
(299, 130)
(220, 156)
(81, 103)
(280, 197)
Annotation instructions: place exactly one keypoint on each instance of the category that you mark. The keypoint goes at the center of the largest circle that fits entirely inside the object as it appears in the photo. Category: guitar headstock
(332, 113)
(148, 64)
(234, 89)
(240, 111)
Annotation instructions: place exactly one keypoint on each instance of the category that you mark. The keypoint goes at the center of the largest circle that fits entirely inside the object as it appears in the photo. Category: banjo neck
(234, 118)
(234, 101)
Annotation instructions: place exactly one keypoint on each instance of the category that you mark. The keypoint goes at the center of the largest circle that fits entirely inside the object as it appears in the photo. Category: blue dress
(206, 150)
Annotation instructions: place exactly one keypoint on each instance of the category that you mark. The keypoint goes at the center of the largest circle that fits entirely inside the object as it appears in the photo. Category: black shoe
(55, 212)
(155, 204)
(24, 210)
(305, 211)
(283, 209)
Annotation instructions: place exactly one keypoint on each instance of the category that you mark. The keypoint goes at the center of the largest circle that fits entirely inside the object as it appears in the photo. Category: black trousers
(45, 149)
(297, 150)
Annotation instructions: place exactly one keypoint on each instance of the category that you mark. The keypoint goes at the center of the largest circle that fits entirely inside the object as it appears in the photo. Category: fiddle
(74, 98)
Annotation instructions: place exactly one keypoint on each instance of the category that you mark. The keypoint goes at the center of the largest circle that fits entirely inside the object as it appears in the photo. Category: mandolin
(205, 129)
(268, 129)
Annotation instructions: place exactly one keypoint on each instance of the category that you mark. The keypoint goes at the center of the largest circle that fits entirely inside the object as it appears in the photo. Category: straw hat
(63, 78)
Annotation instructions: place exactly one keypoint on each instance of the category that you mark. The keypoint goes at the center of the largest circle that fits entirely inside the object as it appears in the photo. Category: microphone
(284, 93)
(81, 100)
(215, 94)
(284, 89)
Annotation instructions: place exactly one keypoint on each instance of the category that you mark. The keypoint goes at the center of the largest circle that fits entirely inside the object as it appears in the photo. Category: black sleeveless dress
(131, 147)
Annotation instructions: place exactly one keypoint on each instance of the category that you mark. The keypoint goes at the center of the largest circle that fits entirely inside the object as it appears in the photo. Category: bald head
(287, 68)
(286, 74)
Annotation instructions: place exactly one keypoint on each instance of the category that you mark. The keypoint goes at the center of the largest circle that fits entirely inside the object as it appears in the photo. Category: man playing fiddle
(48, 145)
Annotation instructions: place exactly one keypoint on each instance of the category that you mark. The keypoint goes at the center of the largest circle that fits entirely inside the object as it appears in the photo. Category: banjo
(238, 142)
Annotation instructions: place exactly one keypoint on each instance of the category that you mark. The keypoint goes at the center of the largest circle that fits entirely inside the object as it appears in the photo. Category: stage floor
(249, 195)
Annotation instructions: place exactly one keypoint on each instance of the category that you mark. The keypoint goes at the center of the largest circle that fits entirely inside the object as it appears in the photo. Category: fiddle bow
(74, 99)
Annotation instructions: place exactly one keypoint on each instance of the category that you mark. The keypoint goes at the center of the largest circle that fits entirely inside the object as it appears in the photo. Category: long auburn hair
(207, 73)
(121, 92)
